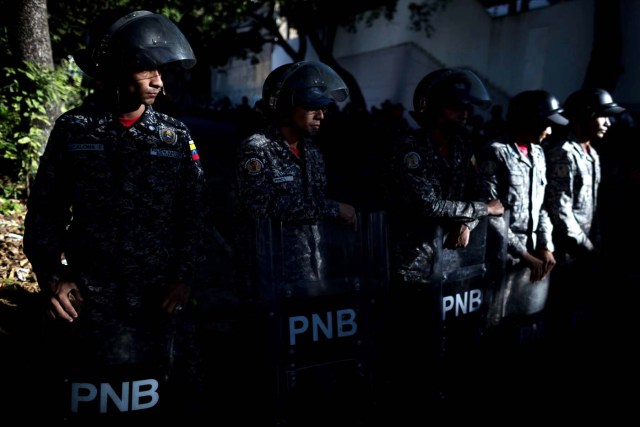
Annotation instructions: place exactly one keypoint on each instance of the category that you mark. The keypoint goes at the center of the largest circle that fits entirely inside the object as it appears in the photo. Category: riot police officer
(434, 205)
(514, 170)
(116, 217)
(281, 171)
(574, 175)
(281, 211)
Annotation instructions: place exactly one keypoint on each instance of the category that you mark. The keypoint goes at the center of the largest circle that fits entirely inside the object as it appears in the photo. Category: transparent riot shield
(114, 362)
(319, 283)
(465, 288)
(516, 294)
(437, 319)
(517, 306)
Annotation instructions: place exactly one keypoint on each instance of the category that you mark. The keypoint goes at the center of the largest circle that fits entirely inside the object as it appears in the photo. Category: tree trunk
(29, 33)
(30, 41)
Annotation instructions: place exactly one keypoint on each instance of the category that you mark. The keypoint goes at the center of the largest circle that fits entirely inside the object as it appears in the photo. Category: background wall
(547, 48)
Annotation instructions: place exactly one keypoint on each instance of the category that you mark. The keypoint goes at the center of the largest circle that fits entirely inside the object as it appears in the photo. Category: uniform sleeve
(489, 165)
(49, 212)
(420, 188)
(193, 215)
(326, 208)
(559, 197)
(545, 232)
(254, 189)
(495, 181)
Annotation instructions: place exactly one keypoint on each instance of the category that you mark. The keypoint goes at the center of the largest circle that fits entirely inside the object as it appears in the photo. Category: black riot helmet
(307, 84)
(448, 87)
(534, 110)
(587, 103)
(135, 41)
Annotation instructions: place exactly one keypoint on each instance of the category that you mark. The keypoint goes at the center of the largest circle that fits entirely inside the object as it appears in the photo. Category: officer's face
(145, 86)
(544, 134)
(308, 121)
(599, 126)
(453, 118)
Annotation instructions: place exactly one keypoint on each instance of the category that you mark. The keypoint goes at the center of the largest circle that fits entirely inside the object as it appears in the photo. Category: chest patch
(254, 166)
(86, 147)
(412, 160)
(280, 179)
(168, 136)
(164, 153)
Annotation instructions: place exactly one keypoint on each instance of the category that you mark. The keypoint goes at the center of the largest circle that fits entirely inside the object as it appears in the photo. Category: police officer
(514, 170)
(280, 170)
(574, 176)
(434, 185)
(115, 214)
(281, 183)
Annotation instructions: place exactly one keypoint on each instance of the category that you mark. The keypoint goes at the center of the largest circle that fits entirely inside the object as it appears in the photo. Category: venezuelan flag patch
(194, 151)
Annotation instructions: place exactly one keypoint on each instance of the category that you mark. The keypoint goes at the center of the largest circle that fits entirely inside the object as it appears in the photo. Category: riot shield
(437, 324)
(465, 287)
(467, 280)
(319, 283)
(518, 303)
(113, 363)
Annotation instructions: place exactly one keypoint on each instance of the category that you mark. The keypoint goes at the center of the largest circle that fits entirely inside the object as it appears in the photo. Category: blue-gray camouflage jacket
(275, 184)
(118, 203)
(574, 177)
(427, 190)
(519, 181)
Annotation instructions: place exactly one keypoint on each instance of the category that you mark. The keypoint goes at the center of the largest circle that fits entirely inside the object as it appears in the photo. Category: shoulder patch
(254, 166)
(194, 151)
(168, 136)
(412, 160)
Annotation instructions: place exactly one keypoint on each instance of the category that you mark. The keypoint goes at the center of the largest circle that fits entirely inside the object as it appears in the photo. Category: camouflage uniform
(123, 206)
(427, 190)
(571, 197)
(519, 181)
(575, 299)
(273, 183)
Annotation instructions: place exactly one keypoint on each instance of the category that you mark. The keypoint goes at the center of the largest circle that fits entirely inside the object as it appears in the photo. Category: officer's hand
(495, 207)
(458, 237)
(65, 301)
(176, 298)
(347, 213)
(548, 259)
(536, 265)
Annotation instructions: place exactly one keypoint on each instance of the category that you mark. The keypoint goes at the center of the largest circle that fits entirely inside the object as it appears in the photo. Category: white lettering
(144, 394)
(463, 303)
(138, 394)
(346, 322)
(122, 403)
(345, 325)
(77, 396)
(293, 330)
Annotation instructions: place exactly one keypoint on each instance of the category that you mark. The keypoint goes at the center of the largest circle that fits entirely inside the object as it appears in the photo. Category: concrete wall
(545, 48)
(538, 49)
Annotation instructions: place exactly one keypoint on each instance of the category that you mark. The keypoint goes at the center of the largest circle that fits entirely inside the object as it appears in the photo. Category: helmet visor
(461, 88)
(314, 85)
